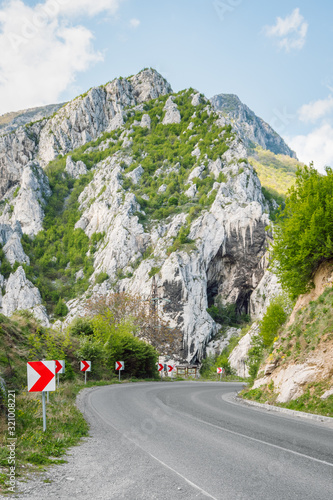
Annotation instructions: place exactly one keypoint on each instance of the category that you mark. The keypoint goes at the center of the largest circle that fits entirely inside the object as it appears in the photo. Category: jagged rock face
(86, 117)
(27, 200)
(249, 126)
(21, 294)
(16, 150)
(75, 124)
(10, 239)
(11, 121)
(172, 114)
(267, 289)
(216, 346)
(75, 169)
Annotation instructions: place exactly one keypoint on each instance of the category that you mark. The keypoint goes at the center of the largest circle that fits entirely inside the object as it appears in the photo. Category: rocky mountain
(131, 183)
(252, 129)
(11, 121)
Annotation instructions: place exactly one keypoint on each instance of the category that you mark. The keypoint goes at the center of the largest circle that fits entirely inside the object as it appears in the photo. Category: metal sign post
(44, 410)
(60, 368)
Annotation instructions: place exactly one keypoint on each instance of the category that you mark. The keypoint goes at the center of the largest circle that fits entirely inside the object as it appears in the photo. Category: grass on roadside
(309, 402)
(65, 427)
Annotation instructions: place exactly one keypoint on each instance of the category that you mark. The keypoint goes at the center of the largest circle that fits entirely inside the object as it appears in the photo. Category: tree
(60, 309)
(126, 312)
(303, 234)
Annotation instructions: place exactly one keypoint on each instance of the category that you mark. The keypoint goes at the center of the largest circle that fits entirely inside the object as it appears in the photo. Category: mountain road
(190, 440)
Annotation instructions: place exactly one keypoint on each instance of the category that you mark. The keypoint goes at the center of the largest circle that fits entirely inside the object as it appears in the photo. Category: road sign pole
(85, 377)
(119, 374)
(44, 411)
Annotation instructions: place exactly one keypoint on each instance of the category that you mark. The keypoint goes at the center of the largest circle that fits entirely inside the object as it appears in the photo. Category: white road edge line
(260, 441)
(145, 451)
(183, 477)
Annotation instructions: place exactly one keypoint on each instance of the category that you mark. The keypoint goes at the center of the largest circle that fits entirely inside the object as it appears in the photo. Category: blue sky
(276, 56)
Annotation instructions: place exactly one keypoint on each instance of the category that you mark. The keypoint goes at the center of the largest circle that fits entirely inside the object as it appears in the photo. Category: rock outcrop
(21, 294)
(251, 128)
(74, 124)
(11, 121)
(10, 240)
(26, 201)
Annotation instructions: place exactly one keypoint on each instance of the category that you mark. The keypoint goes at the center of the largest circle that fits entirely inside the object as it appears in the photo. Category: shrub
(81, 326)
(60, 309)
(273, 319)
(101, 277)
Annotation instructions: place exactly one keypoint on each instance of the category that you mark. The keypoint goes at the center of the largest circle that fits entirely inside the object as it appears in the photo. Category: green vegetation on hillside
(311, 331)
(59, 251)
(277, 173)
(274, 318)
(101, 339)
(303, 233)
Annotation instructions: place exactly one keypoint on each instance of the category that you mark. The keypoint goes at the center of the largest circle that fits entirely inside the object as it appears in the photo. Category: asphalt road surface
(190, 440)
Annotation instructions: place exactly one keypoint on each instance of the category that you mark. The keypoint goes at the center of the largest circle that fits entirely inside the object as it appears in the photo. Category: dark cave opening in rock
(243, 302)
(212, 291)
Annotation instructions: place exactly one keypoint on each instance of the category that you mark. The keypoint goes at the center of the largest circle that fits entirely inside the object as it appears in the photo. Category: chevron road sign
(160, 367)
(120, 365)
(60, 366)
(219, 370)
(85, 366)
(171, 368)
(41, 376)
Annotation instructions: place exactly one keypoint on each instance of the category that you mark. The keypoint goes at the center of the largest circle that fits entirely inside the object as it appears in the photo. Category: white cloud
(317, 146)
(316, 109)
(289, 32)
(134, 23)
(41, 52)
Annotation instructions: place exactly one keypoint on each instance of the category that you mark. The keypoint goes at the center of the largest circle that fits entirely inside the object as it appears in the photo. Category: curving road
(188, 440)
(212, 447)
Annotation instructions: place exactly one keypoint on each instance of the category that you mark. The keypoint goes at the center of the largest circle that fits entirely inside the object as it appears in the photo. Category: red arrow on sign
(160, 367)
(58, 366)
(45, 375)
(170, 368)
(219, 370)
(119, 365)
(85, 366)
